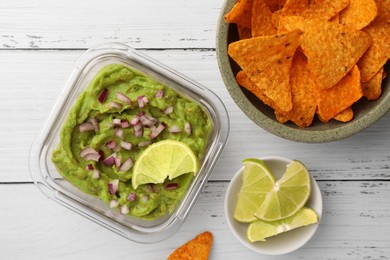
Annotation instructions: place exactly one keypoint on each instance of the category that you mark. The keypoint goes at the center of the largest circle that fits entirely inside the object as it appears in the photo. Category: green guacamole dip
(113, 121)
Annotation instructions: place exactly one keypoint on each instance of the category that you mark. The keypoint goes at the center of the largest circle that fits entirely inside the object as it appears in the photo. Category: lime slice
(167, 158)
(260, 229)
(288, 195)
(257, 181)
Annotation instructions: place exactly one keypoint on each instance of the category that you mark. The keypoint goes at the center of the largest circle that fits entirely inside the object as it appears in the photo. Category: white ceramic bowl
(282, 243)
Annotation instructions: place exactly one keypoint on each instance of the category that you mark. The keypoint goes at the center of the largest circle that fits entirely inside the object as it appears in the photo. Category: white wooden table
(39, 42)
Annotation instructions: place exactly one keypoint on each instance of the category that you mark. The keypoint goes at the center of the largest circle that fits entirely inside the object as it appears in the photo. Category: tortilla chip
(275, 5)
(334, 100)
(320, 9)
(196, 249)
(379, 52)
(332, 49)
(267, 62)
(262, 19)
(373, 88)
(241, 13)
(359, 13)
(335, 19)
(244, 32)
(344, 116)
(304, 94)
(243, 80)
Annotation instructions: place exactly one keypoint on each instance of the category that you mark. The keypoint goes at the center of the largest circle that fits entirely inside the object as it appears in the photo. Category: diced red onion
(101, 153)
(114, 104)
(116, 122)
(168, 110)
(109, 161)
(140, 101)
(114, 203)
(147, 121)
(145, 100)
(113, 186)
(160, 93)
(135, 120)
(126, 145)
(138, 131)
(87, 150)
(87, 126)
(92, 157)
(125, 210)
(111, 144)
(142, 144)
(95, 174)
(89, 167)
(103, 95)
(171, 186)
(158, 130)
(174, 129)
(95, 124)
(119, 132)
(125, 123)
(132, 196)
(144, 198)
(122, 97)
(126, 165)
(117, 162)
(188, 128)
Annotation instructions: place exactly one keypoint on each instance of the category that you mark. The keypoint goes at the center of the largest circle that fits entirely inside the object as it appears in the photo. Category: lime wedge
(260, 229)
(288, 195)
(257, 181)
(167, 158)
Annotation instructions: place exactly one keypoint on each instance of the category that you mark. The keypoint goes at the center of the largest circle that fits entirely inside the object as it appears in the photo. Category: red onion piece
(111, 144)
(160, 93)
(86, 151)
(168, 110)
(125, 210)
(145, 100)
(117, 162)
(116, 122)
(95, 124)
(95, 174)
(138, 131)
(174, 129)
(147, 121)
(92, 157)
(132, 196)
(142, 144)
(114, 104)
(119, 132)
(140, 101)
(101, 153)
(158, 130)
(125, 123)
(171, 186)
(126, 145)
(122, 97)
(87, 126)
(188, 128)
(103, 95)
(135, 120)
(109, 161)
(126, 165)
(114, 203)
(89, 167)
(113, 186)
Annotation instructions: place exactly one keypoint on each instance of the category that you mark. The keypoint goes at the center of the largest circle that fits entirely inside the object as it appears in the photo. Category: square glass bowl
(54, 186)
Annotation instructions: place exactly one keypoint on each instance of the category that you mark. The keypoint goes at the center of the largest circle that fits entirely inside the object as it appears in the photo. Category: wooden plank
(81, 24)
(355, 225)
(31, 81)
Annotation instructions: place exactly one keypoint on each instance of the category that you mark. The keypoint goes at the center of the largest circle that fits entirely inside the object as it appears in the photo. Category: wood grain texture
(31, 82)
(354, 226)
(80, 24)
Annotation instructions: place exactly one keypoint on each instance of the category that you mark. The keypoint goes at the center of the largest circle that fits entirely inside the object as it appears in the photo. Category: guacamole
(113, 121)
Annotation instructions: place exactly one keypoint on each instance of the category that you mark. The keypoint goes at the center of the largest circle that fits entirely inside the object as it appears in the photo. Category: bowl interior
(284, 242)
(366, 112)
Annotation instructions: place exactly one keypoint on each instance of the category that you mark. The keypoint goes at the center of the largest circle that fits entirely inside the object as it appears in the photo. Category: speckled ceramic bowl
(366, 112)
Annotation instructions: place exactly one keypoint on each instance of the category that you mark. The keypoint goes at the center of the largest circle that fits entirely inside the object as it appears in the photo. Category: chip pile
(305, 58)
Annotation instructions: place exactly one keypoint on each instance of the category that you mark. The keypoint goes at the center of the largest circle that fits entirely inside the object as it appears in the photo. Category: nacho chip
(243, 80)
(275, 5)
(334, 100)
(196, 249)
(304, 94)
(379, 52)
(335, 19)
(241, 13)
(244, 32)
(319, 9)
(267, 62)
(373, 88)
(262, 19)
(344, 116)
(359, 13)
(332, 49)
